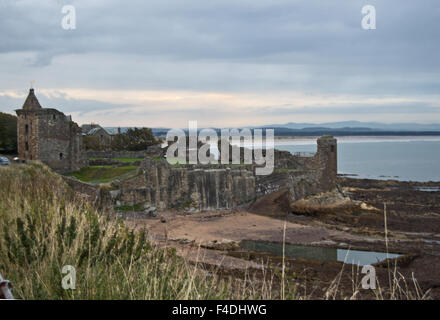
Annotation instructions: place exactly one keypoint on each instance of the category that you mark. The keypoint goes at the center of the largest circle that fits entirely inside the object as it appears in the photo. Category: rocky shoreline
(213, 238)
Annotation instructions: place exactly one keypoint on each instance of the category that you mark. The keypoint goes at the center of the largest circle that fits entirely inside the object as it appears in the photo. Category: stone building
(98, 137)
(50, 136)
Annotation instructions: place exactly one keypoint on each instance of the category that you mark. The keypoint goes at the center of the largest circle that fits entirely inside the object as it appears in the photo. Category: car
(4, 161)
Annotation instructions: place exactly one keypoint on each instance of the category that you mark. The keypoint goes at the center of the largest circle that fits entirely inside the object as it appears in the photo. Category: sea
(399, 158)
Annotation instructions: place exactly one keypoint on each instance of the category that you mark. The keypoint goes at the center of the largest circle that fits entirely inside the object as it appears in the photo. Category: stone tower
(50, 136)
(328, 160)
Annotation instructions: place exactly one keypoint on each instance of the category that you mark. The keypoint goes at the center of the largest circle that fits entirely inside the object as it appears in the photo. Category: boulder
(224, 245)
(330, 202)
(151, 211)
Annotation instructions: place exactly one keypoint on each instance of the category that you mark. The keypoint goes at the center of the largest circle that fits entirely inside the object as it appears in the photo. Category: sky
(223, 63)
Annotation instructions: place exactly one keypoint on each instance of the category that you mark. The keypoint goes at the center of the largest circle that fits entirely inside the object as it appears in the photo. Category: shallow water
(432, 241)
(358, 257)
(428, 189)
(383, 158)
(406, 159)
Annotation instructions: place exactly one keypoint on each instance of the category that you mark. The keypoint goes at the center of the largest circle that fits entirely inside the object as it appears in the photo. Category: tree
(91, 143)
(8, 133)
(134, 140)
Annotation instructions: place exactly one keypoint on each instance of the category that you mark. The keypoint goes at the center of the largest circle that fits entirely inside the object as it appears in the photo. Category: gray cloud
(311, 47)
(60, 101)
(358, 108)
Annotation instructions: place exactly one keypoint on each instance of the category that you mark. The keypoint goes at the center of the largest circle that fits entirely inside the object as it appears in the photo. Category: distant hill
(357, 125)
(346, 131)
(343, 128)
(156, 131)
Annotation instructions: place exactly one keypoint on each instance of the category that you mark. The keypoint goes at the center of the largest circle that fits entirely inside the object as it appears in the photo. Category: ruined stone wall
(327, 158)
(89, 191)
(60, 141)
(215, 186)
(197, 187)
(50, 136)
(300, 183)
(133, 191)
(115, 154)
(153, 151)
(303, 175)
(100, 197)
(27, 136)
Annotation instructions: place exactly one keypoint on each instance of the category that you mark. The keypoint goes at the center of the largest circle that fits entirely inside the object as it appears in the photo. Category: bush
(8, 133)
(92, 143)
(134, 140)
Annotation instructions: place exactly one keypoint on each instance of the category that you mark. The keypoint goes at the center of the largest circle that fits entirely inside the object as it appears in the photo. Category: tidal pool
(357, 257)
(428, 189)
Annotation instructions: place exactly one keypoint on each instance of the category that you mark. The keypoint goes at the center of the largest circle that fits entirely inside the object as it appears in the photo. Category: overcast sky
(223, 62)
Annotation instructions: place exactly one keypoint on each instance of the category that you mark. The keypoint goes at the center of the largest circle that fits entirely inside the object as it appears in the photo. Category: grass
(183, 162)
(285, 170)
(127, 160)
(102, 174)
(136, 207)
(44, 226)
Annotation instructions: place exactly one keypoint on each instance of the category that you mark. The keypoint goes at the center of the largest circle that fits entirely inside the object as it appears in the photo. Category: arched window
(61, 156)
(26, 129)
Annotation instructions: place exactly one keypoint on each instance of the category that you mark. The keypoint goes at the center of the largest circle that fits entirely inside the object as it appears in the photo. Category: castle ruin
(50, 136)
(198, 187)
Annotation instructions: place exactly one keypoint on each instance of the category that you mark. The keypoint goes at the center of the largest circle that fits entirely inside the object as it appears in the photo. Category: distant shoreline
(360, 137)
(341, 133)
(283, 133)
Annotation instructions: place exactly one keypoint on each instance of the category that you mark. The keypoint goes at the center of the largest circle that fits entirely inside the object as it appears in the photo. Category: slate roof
(31, 102)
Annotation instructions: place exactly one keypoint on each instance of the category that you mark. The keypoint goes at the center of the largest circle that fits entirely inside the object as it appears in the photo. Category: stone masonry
(50, 136)
(217, 186)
